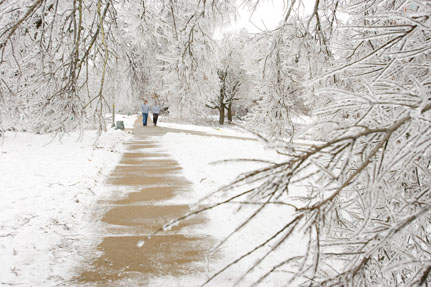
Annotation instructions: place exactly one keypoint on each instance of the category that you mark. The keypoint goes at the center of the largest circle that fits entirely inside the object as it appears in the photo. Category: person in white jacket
(156, 110)
(145, 108)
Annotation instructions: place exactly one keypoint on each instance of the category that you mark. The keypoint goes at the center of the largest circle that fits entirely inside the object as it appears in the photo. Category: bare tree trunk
(221, 103)
(113, 116)
(221, 115)
(229, 112)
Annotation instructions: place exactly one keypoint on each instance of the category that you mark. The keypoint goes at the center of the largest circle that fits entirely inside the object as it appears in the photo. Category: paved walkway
(154, 178)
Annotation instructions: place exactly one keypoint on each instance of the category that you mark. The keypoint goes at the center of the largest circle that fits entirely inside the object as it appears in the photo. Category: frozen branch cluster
(288, 57)
(51, 53)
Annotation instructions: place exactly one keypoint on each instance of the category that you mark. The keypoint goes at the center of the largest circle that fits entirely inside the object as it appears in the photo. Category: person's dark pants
(155, 117)
(144, 118)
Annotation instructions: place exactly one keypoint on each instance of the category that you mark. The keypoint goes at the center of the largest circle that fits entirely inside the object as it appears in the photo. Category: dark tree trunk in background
(229, 112)
(227, 92)
(221, 100)
(221, 109)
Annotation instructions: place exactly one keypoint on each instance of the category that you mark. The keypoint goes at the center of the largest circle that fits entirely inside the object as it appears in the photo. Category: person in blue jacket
(156, 110)
(145, 108)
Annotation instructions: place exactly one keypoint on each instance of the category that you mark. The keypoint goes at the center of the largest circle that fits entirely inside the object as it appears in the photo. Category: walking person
(145, 108)
(156, 110)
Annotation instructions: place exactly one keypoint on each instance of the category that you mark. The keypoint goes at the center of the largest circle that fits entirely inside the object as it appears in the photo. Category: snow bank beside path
(234, 131)
(47, 189)
(197, 154)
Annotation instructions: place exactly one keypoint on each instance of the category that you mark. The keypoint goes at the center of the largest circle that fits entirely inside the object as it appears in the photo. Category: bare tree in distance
(230, 82)
(231, 75)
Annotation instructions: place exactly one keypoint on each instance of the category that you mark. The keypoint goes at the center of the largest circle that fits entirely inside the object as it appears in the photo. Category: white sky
(267, 16)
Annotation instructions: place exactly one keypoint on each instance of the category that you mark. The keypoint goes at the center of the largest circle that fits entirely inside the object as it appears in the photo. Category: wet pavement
(154, 180)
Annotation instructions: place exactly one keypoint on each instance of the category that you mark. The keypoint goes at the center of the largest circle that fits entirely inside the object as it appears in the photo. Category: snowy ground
(206, 162)
(48, 188)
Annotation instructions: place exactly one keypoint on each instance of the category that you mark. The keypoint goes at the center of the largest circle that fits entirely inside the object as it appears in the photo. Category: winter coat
(155, 109)
(145, 108)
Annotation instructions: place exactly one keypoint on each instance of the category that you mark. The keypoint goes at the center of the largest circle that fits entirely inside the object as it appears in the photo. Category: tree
(234, 84)
(219, 103)
(231, 75)
(286, 57)
(230, 83)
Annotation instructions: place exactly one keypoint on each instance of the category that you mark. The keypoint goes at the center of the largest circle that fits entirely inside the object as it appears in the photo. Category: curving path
(155, 181)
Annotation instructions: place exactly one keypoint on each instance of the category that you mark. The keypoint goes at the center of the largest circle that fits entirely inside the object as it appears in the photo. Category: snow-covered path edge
(202, 158)
(47, 193)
